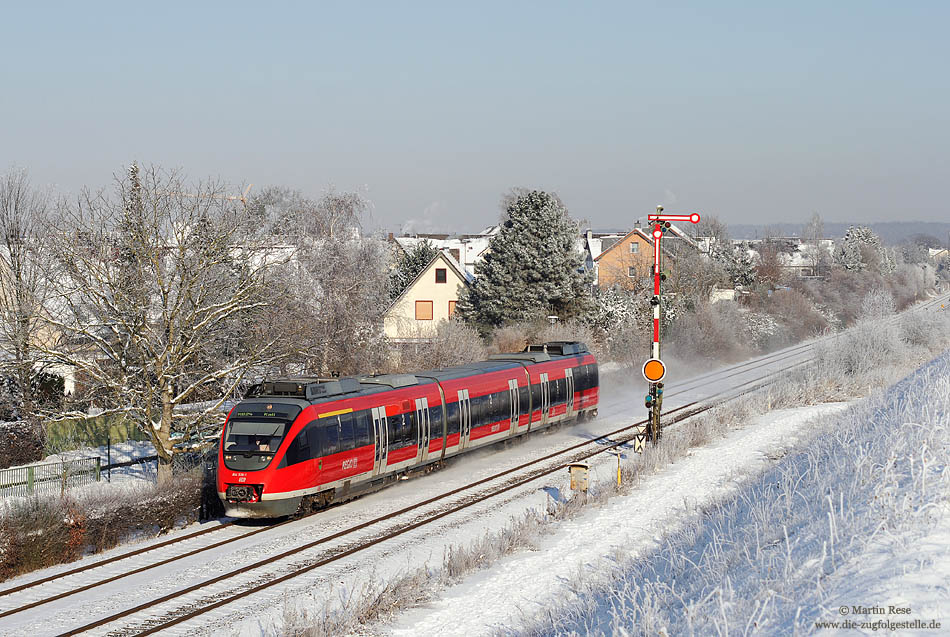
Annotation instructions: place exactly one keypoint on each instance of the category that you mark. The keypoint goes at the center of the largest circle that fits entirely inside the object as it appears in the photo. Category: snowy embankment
(852, 528)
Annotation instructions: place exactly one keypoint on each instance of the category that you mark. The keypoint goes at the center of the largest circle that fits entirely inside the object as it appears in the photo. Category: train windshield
(249, 445)
(254, 437)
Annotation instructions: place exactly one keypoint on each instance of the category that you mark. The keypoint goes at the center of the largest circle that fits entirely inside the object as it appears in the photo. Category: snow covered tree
(24, 289)
(154, 292)
(861, 249)
(409, 265)
(615, 307)
(813, 233)
(334, 289)
(532, 268)
(735, 260)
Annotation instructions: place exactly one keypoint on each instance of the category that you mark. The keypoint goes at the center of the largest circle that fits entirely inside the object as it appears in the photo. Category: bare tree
(335, 289)
(813, 234)
(23, 286)
(158, 292)
(769, 268)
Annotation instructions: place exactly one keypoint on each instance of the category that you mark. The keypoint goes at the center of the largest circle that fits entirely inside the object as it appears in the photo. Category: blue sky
(755, 112)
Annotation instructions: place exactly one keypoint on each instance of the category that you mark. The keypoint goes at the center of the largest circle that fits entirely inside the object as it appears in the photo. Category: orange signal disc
(654, 370)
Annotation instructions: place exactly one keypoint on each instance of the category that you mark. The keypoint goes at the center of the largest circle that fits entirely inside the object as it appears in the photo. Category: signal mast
(653, 369)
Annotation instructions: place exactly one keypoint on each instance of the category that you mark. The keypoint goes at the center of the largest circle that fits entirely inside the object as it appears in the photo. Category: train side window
(452, 418)
(412, 432)
(299, 448)
(435, 421)
(361, 428)
(536, 396)
(395, 430)
(401, 430)
(347, 436)
(593, 378)
(330, 436)
(477, 410)
(504, 406)
(312, 432)
(525, 396)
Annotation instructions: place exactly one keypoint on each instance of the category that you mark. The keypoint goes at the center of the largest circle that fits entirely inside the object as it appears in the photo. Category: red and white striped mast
(653, 369)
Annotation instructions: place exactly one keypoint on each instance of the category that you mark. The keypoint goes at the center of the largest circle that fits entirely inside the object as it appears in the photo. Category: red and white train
(306, 442)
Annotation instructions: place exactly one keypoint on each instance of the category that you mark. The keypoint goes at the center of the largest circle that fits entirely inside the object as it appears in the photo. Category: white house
(429, 299)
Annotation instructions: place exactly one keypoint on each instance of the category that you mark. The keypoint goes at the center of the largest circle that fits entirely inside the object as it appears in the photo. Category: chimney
(636, 224)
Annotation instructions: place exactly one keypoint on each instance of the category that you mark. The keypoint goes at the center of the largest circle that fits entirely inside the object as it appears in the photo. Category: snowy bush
(713, 332)
(453, 343)
(42, 531)
(21, 442)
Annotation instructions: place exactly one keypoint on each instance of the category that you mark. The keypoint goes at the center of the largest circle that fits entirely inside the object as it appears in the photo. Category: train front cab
(250, 442)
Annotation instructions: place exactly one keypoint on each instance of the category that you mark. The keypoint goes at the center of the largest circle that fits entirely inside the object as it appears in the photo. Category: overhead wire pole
(653, 369)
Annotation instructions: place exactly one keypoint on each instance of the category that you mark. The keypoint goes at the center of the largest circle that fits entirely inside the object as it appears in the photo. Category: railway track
(539, 468)
(184, 540)
(607, 441)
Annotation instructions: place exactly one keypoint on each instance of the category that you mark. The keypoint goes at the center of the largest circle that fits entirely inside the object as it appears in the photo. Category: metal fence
(50, 477)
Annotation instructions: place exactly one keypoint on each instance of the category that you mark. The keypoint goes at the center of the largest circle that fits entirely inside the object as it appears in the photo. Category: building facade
(429, 299)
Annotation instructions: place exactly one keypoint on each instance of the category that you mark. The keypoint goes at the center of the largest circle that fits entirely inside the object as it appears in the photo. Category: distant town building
(465, 249)
(618, 259)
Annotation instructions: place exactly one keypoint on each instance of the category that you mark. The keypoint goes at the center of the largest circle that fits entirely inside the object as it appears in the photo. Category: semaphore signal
(654, 370)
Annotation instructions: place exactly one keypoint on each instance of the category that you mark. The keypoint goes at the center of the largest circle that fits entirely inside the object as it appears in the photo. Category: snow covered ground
(621, 403)
(709, 473)
(850, 532)
(581, 549)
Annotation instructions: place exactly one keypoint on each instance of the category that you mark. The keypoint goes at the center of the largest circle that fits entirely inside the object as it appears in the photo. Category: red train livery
(302, 442)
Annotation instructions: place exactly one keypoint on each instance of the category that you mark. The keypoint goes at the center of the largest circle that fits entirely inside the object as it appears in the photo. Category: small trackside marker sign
(654, 370)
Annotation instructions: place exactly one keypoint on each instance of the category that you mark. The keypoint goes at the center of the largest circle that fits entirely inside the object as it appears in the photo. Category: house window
(423, 310)
(631, 272)
(451, 308)
(440, 275)
(634, 248)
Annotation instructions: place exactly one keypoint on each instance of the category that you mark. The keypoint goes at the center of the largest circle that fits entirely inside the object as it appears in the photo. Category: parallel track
(737, 369)
(150, 626)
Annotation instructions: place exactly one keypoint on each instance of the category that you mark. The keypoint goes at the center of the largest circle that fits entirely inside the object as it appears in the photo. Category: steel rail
(737, 369)
(436, 516)
(198, 550)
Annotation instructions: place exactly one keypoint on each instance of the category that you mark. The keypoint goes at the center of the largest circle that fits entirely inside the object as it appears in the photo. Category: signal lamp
(654, 370)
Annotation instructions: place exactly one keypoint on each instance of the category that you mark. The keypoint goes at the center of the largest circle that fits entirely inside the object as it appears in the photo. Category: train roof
(315, 389)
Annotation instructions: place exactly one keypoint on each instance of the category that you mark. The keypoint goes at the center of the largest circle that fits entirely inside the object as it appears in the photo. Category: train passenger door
(515, 405)
(422, 417)
(381, 438)
(545, 398)
(465, 418)
(569, 383)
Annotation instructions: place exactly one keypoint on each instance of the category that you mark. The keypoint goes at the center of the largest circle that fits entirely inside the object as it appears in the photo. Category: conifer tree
(532, 269)
(409, 265)
(861, 249)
